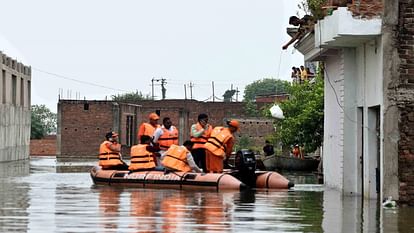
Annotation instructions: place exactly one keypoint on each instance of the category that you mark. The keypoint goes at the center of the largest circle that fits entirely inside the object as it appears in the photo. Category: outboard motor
(245, 164)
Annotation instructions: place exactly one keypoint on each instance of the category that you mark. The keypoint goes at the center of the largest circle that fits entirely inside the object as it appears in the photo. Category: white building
(360, 154)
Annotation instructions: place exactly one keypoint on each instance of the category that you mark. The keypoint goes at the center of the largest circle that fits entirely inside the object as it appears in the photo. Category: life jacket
(149, 130)
(216, 144)
(141, 158)
(176, 158)
(168, 138)
(107, 157)
(200, 141)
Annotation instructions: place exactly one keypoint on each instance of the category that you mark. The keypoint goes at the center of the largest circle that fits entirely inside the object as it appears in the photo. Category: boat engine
(245, 165)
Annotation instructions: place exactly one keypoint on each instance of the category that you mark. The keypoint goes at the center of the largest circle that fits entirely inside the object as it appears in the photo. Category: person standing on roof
(179, 158)
(150, 127)
(220, 145)
(200, 132)
(110, 153)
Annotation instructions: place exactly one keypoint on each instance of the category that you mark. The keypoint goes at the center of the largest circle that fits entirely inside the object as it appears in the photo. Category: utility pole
(152, 84)
(191, 90)
(212, 84)
(163, 89)
(237, 94)
(185, 91)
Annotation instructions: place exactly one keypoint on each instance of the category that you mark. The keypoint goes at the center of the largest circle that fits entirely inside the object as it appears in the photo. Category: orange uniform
(108, 157)
(219, 145)
(201, 140)
(141, 158)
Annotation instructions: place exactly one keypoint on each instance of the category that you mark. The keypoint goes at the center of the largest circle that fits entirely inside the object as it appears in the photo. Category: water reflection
(38, 197)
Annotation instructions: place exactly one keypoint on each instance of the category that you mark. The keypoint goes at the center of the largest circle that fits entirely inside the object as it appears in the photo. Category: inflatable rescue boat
(242, 177)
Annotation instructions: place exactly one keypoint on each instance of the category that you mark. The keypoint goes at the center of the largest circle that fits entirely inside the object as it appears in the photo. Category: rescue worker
(200, 132)
(110, 153)
(142, 158)
(179, 158)
(297, 152)
(220, 145)
(149, 128)
(166, 135)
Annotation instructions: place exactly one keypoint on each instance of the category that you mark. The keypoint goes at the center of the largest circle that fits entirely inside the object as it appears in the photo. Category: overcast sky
(123, 44)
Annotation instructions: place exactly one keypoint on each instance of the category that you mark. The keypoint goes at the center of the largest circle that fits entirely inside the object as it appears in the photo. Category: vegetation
(131, 97)
(304, 113)
(228, 95)
(267, 86)
(43, 122)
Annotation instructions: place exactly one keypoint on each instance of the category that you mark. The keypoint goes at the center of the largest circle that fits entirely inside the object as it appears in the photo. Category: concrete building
(82, 124)
(15, 88)
(367, 49)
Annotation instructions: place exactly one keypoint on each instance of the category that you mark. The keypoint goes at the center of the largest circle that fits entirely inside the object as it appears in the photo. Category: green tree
(267, 86)
(228, 95)
(131, 97)
(304, 113)
(43, 121)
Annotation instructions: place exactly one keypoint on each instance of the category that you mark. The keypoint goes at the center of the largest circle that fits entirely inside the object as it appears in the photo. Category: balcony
(342, 29)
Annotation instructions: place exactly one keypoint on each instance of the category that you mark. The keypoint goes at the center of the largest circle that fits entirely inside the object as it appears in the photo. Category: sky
(93, 49)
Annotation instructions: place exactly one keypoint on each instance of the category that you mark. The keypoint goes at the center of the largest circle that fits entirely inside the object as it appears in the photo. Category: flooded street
(41, 195)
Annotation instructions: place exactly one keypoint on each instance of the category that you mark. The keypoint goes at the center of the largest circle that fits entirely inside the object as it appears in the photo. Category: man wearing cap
(220, 145)
(110, 153)
(149, 128)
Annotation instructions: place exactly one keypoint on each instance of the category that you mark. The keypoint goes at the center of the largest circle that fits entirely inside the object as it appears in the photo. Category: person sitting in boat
(166, 135)
(220, 145)
(150, 127)
(297, 151)
(179, 158)
(200, 132)
(110, 153)
(142, 155)
(268, 149)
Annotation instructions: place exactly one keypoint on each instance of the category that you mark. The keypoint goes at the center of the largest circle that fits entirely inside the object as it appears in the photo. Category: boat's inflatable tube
(159, 179)
(272, 180)
(186, 180)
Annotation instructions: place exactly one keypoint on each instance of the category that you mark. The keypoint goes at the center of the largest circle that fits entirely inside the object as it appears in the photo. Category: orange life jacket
(216, 144)
(107, 157)
(141, 158)
(200, 141)
(168, 138)
(149, 130)
(176, 158)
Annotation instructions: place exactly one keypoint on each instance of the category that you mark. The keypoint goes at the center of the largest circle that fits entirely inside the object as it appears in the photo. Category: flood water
(42, 195)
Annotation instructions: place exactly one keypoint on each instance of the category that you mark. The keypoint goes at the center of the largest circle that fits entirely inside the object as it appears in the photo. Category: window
(3, 76)
(28, 93)
(21, 92)
(14, 89)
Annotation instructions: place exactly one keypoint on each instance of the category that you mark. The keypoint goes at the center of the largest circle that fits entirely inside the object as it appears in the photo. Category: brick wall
(82, 130)
(82, 127)
(45, 146)
(366, 8)
(405, 100)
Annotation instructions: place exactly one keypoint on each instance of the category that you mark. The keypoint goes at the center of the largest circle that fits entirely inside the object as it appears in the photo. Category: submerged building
(15, 88)
(368, 52)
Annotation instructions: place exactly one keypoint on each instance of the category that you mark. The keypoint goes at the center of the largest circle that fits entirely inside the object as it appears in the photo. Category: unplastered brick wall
(366, 8)
(82, 126)
(405, 100)
(45, 146)
(406, 154)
